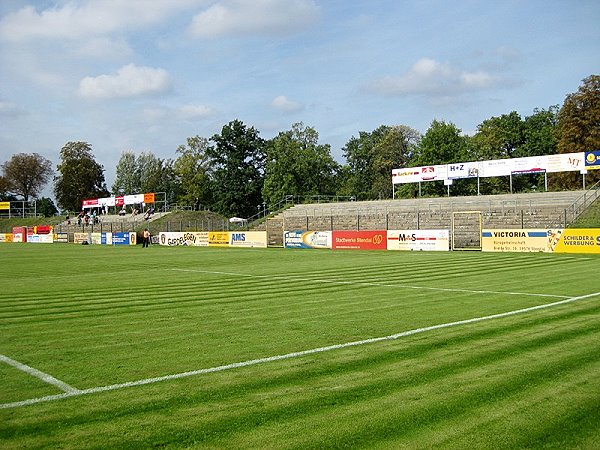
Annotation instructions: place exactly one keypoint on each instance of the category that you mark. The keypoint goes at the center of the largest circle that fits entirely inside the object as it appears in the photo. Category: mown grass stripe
(364, 283)
(290, 355)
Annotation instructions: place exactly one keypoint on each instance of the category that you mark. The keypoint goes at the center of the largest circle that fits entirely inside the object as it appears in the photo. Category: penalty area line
(39, 374)
(252, 362)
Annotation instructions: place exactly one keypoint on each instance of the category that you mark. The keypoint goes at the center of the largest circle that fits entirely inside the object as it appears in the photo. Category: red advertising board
(359, 240)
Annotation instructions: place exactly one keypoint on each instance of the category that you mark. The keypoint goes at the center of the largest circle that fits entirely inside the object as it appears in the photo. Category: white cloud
(190, 112)
(80, 20)
(429, 77)
(282, 103)
(129, 81)
(242, 17)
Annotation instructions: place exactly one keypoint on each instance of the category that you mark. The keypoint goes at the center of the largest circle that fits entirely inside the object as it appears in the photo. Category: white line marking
(363, 283)
(252, 362)
(41, 375)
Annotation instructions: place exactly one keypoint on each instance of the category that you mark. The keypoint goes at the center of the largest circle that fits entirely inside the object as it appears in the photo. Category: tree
(192, 171)
(237, 163)
(297, 165)
(578, 128)
(5, 194)
(80, 176)
(443, 143)
(498, 138)
(45, 206)
(372, 156)
(26, 174)
(539, 132)
(127, 175)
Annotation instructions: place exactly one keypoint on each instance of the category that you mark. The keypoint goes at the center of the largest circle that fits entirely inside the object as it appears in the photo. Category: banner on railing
(592, 160)
(499, 167)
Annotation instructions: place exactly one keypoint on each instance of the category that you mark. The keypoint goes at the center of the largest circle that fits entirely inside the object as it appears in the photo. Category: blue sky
(143, 75)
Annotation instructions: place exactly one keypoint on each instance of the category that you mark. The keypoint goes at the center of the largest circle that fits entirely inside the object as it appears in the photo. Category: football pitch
(183, 347)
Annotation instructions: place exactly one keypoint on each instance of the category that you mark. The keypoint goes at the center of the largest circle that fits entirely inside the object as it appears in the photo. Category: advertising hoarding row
(421, 240)
(106, 238)
(120, 200)
(564, 162)
(570, 240)
(214, 239)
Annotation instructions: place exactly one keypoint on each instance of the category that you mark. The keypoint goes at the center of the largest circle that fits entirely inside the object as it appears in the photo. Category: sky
(144, 75)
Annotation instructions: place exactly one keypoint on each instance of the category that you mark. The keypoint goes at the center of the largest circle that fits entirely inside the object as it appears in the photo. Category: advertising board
(579, 240)
(565, 162)
(124, 238)
(218, 238)
(61, 238)
(40, 238)
(6, 237)
(80, 238)
(463, 170)
(307, 239)
(187, 238)
(421, 240)
(592, 160)
(248, 239)
(512, 240)
(19, 234)
(359, 240)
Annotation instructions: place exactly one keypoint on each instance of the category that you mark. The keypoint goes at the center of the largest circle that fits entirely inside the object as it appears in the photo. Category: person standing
(145, 238)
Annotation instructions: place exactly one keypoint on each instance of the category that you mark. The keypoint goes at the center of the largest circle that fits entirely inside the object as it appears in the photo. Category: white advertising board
(463, 170)
(193, 238)
(421, 240)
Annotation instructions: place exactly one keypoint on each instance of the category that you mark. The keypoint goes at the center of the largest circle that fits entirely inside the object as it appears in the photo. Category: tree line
(236, 172)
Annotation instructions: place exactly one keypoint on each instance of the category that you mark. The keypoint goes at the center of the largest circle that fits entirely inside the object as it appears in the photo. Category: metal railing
(571, 213)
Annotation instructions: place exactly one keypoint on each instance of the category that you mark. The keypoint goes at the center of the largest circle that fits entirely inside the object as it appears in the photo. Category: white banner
(566, 162)
(422, 240)
(248, 239)
(193, 238)
(463, 170)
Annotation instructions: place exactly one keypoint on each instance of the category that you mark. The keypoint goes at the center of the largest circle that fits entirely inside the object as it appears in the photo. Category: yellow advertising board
(218, 238)
(4, 205)
(6, 237)
(579, 240)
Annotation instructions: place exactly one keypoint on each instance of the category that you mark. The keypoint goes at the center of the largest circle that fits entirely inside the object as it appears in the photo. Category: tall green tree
(539, 133)
(79, 176)
(27, 174)
(127, 175)
(372, 156)
(237, 163)
(498, 138)
(46, 207)
(442, 143)
(296, 164)
(578, 129)
(193, 173)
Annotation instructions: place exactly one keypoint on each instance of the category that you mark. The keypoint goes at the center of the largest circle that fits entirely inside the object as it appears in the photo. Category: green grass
(95, 316)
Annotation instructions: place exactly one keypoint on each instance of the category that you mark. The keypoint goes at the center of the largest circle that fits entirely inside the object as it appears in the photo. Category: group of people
(87, 218)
